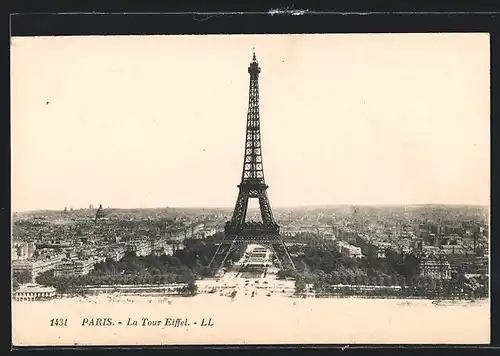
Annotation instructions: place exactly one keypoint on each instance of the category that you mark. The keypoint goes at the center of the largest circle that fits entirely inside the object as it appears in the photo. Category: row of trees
(324, 267)
(419, 286)
(184, 266)
(325, 256)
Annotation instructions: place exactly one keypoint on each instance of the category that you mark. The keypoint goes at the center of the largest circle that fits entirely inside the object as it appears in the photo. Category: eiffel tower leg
(231, 247)
(220, 256)
(240, 209)
(217, 252)
(288, 255)
(275, 255)
(283, 256)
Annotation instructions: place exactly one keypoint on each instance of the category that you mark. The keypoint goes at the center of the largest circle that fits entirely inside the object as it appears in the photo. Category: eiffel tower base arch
(275, 245)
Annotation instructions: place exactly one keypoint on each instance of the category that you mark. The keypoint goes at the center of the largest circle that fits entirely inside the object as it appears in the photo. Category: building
(13, 254)
(204, 233)
(289, 230)
(435, 267)
(169, 250)
(23, 250)
(74, 267)
(373, 248)
(32, 292)
(348, 235)
(157, 244)
(329, 236)
(481, 265)
(35, 267)
(381, 249)
(196, 228)
(177, 235)
(176, 246)
(349, 250)
(115, 252)
(71, 253)
(459, 256)
(140, 248)
(87, 252)
(162, 249)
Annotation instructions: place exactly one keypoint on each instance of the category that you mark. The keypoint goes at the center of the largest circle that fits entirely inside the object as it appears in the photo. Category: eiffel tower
(253, 186)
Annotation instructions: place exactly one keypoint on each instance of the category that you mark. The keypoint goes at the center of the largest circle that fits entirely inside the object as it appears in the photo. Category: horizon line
(274, 207)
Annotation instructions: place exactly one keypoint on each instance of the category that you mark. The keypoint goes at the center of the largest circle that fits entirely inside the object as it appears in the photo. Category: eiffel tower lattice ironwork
(253, 186)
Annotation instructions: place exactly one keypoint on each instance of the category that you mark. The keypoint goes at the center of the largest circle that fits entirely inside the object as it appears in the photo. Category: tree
(402, 281)
(350, 278)
(335, 278)
(318, 285)
(439, 285)
(22, 277)
(358, 279)
(394, 279)
(431, 284)
(154, 271)
(344, 279)
(191, 288)
(282, 274)
(300, 285)
(410, 266)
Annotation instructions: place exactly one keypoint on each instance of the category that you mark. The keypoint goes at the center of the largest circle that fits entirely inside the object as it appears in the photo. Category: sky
(152, 121)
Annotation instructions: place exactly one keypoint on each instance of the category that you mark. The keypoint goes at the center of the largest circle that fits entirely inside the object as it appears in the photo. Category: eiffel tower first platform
(253, 186)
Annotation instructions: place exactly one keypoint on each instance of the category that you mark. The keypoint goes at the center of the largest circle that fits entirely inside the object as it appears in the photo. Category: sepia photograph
(250, 189)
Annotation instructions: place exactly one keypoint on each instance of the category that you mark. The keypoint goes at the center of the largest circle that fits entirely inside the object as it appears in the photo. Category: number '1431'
(59, 322)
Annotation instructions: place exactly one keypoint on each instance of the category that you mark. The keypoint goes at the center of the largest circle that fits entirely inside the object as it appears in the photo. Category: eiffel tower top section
(254, 68)
(253, 171)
